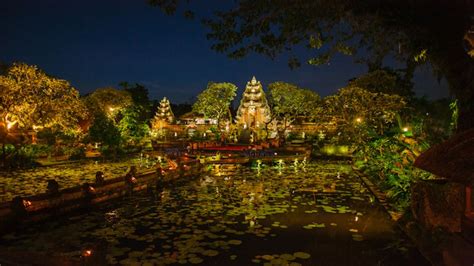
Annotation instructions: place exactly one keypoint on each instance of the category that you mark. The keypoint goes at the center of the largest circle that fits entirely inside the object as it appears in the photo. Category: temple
(253, 111)
(163, 115)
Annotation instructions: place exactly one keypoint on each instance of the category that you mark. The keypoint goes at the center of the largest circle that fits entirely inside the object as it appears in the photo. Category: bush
(389, 160)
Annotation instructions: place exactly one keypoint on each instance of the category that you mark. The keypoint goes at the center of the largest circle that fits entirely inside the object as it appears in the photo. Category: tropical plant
(389, 161)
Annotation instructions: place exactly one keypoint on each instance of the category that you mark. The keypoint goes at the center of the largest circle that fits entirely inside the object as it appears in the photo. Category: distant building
(253, 111)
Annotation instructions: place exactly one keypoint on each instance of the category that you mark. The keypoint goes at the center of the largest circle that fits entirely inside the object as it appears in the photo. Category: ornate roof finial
(254, 80)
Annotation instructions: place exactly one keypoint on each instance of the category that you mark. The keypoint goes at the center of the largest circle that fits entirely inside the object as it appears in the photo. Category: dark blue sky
(97, 43)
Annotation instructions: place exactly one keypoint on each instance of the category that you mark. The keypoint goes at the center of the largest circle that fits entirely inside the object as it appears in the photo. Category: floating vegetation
(214, 218)
(33, 181)
(282, 259)
(314, 225)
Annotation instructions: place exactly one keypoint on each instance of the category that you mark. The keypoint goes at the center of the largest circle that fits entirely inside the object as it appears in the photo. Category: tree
(289, 102)
(384, 81)
(130, 126)
(135, 117)
(414, 32)
(104, 131)
(215, 101)
(359, 110)
(140, 99)
(108, 101)
(31, 99)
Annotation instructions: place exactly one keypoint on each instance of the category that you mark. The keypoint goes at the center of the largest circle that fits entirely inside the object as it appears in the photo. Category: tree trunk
(458, 69)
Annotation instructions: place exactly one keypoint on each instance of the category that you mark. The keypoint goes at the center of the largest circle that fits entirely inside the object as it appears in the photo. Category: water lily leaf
(287, 256)
(234, 242)
(210, 253)
(195, 260)
(268, 257)
(302, 255)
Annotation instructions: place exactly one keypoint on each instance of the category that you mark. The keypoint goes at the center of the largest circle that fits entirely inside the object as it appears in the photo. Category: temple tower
(253, 110)
(164, 116)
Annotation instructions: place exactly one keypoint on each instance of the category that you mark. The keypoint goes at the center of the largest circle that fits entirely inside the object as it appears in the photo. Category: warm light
(405, 129)
(87, 253)
(358, 119)
(356, 218)
(10, 124)
(134, 179)
(26, 203)
(111, 109)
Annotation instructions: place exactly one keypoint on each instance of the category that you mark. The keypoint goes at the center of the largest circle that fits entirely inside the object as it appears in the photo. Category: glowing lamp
(87, 253)
(27, 203)
(358, 119)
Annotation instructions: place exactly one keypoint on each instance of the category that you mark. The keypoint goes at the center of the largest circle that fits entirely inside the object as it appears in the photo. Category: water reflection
(233, 215)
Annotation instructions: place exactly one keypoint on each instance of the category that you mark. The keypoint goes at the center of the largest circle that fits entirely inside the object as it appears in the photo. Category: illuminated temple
(253, 110)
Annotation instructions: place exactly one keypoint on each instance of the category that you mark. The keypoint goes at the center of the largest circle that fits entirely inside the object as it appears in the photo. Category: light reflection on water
(236, 215)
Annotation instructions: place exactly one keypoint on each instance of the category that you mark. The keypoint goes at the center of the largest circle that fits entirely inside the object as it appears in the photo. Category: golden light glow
(87, 253)
(405, 129)
(27, 203)
(10, 124)
(358, 119)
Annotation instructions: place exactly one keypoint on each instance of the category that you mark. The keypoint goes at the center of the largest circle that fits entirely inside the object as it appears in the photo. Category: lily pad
(234, 242)
(196, 260)
(302, 255)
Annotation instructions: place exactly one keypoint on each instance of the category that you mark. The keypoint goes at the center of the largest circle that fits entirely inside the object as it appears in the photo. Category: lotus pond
(319, 214)
(33, 181)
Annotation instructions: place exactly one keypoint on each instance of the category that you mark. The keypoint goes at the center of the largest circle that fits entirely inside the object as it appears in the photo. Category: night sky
(100, 43)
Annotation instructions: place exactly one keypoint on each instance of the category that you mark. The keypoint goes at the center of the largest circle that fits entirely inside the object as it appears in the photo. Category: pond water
(233, 215)
(33, 181)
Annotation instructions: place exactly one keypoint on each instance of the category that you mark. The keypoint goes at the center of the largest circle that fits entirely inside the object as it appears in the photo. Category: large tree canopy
(354, 106)
(29, 98)
(109, 101)
(214, 102)
(414, 31)
(288, 102)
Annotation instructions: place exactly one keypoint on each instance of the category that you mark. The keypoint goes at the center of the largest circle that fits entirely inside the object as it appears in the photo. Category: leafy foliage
(384, 81)
(104, 130)
(108, 101)
(215, 101)
(130, 126)
(390, 160)
(33, 99)
(289, 102)
(361, 113)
